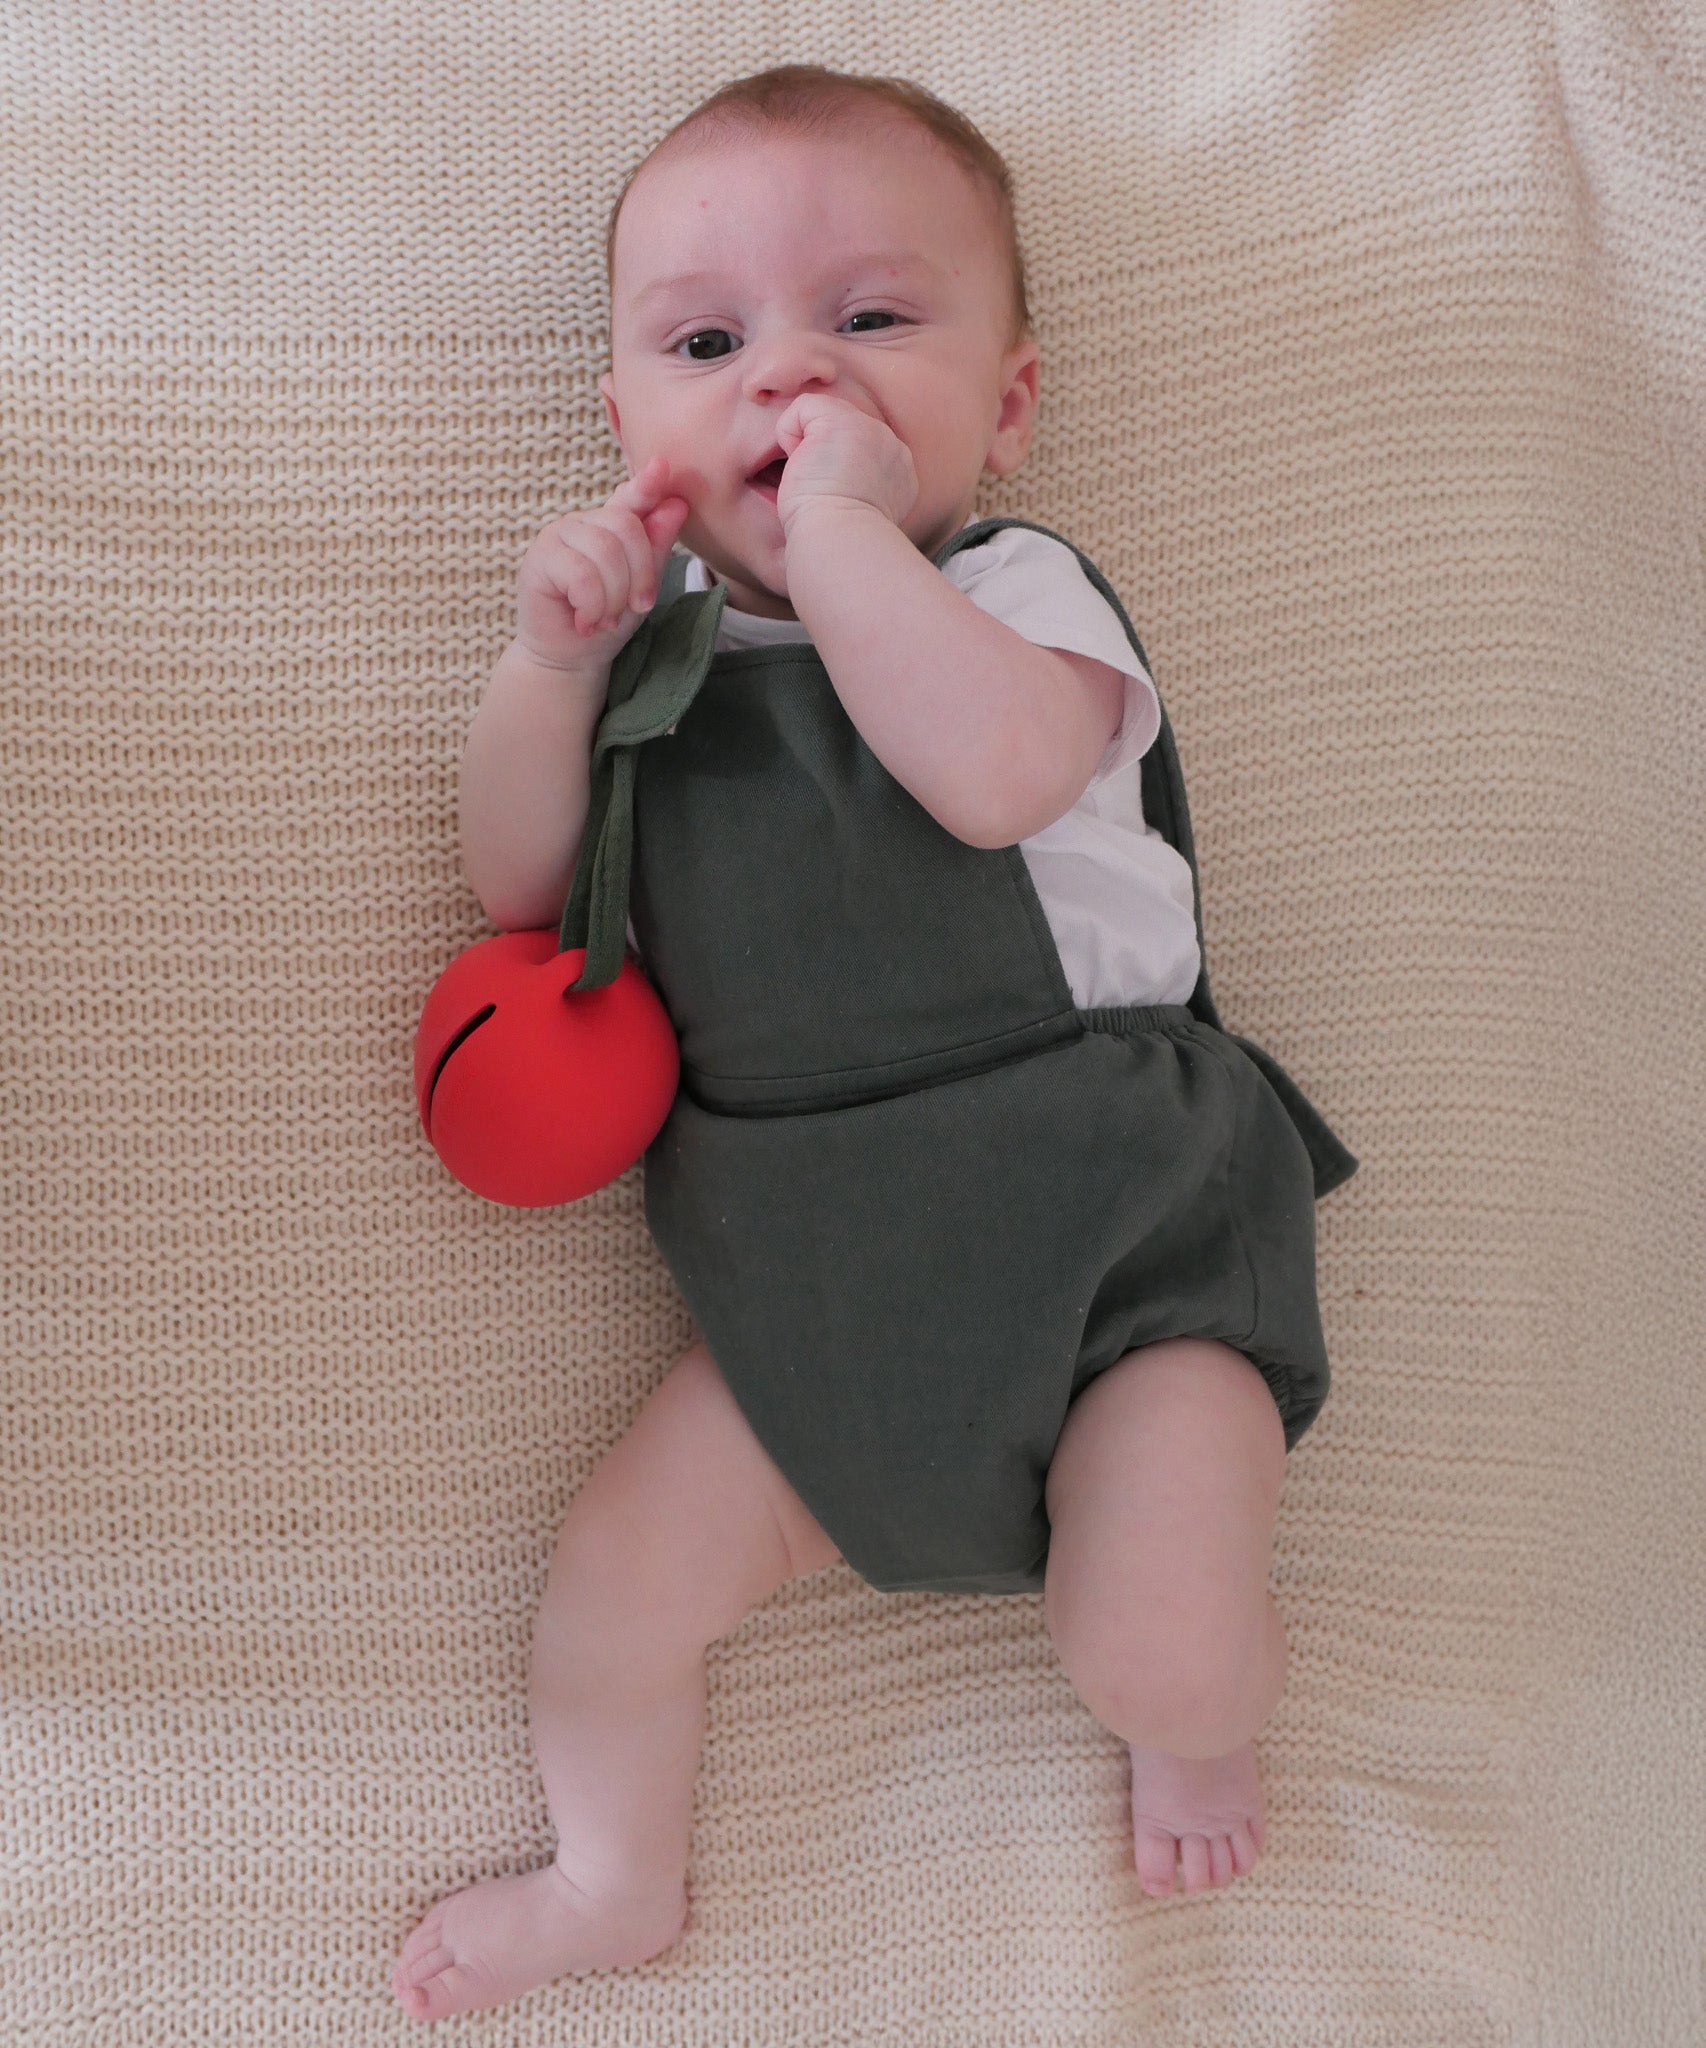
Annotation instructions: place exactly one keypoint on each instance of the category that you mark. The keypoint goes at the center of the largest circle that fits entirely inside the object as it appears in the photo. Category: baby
(1001, 1247)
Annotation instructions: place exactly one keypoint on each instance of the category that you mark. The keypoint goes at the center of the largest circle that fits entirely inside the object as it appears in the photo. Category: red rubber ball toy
(532, 1094)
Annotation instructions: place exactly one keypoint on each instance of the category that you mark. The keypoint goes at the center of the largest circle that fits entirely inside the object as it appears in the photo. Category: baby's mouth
(768, 480)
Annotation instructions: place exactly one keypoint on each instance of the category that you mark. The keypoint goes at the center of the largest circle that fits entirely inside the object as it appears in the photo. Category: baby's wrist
(828, 540)
(569, 672)
(825, 520)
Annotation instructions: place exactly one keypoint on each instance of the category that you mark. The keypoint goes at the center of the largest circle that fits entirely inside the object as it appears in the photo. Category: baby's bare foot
(491, 1943)
(1205, 1812)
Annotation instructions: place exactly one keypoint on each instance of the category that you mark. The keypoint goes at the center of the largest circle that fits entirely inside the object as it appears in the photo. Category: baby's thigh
(687, 1519)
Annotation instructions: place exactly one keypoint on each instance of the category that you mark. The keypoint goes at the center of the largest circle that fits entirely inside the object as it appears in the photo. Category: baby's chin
(756, 600)
(746, 594)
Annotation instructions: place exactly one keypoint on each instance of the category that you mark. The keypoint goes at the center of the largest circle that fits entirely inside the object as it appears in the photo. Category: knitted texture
(1374, 347)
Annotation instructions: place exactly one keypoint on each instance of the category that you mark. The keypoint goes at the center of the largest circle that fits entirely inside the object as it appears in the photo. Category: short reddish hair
(806, 99)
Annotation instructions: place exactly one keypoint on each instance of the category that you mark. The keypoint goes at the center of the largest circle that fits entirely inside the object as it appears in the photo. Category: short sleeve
(1037, 585)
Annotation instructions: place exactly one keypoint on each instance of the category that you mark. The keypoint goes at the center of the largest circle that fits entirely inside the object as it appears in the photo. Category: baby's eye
(699, 334)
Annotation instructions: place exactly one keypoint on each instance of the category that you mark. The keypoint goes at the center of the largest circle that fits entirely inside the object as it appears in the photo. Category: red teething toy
(532, 1091)
(532, 1094)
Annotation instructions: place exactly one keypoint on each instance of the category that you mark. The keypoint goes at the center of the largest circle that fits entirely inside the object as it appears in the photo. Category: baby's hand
(590, 577)
(837, 454)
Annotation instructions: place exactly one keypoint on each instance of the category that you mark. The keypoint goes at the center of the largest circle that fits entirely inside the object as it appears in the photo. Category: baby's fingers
(592, 571)
(656, 536)
(632, 576)
(657, 516)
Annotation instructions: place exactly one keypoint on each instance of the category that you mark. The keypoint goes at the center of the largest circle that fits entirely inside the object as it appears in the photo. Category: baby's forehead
(764, 203)
(857, 158)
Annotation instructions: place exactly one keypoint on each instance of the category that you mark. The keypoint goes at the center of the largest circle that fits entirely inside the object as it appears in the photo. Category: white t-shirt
(1117, 896)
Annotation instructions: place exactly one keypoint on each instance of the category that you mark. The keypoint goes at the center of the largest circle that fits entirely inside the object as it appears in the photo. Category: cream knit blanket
(1374, 365)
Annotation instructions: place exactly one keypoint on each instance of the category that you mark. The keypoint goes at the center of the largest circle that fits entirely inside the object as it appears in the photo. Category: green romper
(914, 1198)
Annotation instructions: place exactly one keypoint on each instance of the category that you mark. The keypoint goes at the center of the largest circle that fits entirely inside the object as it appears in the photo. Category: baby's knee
(1162, 1676)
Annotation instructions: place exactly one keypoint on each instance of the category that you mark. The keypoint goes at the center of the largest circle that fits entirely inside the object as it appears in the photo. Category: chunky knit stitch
(1374, 366)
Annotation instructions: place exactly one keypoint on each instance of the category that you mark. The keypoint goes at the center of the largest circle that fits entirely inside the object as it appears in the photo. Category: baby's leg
(682, 1527)
(1161, 1496)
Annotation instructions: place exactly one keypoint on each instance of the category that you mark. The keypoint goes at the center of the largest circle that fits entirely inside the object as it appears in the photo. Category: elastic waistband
(849, 1087)
(1125, 1020)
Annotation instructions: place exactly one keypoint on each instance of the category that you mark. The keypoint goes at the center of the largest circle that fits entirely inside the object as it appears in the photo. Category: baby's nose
(783, 365)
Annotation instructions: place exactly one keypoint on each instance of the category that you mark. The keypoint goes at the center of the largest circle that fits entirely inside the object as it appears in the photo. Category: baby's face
(865, 268)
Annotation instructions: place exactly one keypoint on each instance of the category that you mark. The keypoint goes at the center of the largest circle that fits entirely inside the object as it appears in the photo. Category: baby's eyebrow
(875, 259)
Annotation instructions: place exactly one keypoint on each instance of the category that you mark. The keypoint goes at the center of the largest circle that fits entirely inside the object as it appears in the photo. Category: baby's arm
(995, 736)
(586, 583)
(525, 787)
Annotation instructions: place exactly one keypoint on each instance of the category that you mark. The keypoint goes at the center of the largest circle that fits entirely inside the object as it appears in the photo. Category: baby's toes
(1214, 1860)
(426, 1941)
(1245, 1848)
(441, 1986)
(416, 1967)
(1157, 1854)
(419, 1979)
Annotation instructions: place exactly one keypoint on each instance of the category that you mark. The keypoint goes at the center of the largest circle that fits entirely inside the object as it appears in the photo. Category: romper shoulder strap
(652, 681)
(1164, 804)
(1165, 807)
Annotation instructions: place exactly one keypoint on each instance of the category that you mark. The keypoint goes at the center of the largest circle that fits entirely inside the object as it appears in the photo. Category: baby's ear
(607, 391)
